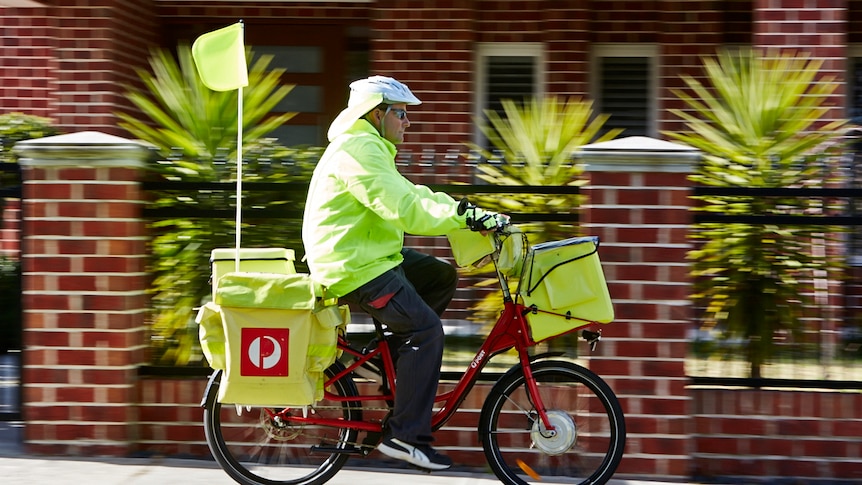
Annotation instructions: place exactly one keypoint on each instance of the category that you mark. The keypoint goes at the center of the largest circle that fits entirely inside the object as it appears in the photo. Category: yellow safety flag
(220, 58)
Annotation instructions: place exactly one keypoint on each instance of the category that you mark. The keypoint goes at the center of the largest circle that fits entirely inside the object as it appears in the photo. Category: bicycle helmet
(367, 93)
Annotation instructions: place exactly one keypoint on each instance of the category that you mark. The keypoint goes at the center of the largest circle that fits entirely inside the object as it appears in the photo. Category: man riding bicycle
(358, 209)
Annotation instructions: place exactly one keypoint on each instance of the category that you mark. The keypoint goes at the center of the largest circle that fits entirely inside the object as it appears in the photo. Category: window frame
(486, 50)
(599, 51)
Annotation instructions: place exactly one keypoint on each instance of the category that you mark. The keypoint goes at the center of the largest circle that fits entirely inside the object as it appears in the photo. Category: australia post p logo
(264, 352)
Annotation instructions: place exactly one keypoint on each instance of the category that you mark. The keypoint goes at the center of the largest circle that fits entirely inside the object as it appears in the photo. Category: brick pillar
(818, 28)
(637, 203)
(84, 301)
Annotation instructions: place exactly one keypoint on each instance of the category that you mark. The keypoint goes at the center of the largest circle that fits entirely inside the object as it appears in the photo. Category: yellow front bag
(564, 285)
(280, 335)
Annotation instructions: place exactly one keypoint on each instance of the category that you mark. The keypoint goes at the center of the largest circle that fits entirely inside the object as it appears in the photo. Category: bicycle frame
(510, 331)
(544, 417)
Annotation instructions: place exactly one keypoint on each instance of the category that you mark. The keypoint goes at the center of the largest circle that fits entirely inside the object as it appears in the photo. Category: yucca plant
(15, 127)
(533, 143)
(195, 130)
(756, 121)
(192, 125)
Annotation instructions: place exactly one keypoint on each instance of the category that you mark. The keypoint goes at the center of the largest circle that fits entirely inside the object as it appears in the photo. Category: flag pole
(238, 173)
(220, 60)
(239, 154)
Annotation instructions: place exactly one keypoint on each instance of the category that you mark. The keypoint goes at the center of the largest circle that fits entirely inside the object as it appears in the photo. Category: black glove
(481, 220)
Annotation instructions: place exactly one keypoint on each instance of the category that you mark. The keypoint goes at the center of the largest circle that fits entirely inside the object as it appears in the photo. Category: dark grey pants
(409, 299)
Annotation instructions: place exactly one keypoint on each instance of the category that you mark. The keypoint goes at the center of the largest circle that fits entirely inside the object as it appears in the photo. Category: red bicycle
(545, 419)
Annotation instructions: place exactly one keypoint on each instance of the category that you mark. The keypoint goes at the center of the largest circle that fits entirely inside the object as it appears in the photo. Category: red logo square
(264, 352)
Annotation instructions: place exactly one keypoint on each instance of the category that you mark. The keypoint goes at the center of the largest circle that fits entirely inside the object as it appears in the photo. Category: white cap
(365, 94)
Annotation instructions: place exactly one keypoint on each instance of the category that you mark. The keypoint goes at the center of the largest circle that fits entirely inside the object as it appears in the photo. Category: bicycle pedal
(370, 443)
(372, 439)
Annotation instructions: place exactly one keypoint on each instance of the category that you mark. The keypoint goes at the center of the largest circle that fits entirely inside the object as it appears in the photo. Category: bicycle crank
(558, 441)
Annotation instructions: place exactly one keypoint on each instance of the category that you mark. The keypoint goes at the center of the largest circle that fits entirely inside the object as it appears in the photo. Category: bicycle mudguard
(212, 384)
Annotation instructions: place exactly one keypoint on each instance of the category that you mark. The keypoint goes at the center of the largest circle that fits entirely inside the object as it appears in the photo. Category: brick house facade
(72, 60)
(84, 287)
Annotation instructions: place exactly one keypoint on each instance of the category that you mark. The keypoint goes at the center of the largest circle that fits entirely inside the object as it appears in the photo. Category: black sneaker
(420, 455)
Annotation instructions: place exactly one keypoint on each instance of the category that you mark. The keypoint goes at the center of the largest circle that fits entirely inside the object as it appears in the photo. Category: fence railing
(452, 174)
(830, 356)
(262, 204)
(195, 208)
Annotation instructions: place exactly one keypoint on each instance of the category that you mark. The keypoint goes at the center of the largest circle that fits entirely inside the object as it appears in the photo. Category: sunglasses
(399, 113)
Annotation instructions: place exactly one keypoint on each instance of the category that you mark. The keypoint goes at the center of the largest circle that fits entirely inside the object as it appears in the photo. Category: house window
(623, 85)
(506, 71)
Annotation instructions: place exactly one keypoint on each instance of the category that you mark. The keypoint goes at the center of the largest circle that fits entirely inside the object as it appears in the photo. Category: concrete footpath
(15, 470)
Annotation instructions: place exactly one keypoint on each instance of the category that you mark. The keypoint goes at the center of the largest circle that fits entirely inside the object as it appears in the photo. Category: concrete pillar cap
(85, 148)
(638, 154)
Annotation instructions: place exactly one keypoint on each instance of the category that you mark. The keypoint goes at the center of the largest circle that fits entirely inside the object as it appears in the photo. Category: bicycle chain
(323, 439)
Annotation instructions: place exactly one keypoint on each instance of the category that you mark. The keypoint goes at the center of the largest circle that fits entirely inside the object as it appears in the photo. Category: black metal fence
(454, 174)
(830, 353)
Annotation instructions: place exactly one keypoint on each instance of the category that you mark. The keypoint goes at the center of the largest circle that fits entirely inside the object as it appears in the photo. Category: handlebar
(502, 221)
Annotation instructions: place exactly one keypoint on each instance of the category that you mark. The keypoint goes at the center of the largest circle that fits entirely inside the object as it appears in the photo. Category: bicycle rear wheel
(255, 446)
(589, 428)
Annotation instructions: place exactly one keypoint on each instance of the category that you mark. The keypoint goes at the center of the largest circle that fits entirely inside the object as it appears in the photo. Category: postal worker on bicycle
(358, 209)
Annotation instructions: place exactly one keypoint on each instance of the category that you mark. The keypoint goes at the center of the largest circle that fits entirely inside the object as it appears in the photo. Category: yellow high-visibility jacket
(359, 207)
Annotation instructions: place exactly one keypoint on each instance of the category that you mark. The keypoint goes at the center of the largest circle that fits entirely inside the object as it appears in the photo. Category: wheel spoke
(257, 445)
(589, 431)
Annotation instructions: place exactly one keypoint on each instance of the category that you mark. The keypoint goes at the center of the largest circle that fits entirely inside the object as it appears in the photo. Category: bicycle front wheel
(257, 446)
(589, 433)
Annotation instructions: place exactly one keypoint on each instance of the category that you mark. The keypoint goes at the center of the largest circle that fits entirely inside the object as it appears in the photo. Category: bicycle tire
(587, 416)
(255, 449)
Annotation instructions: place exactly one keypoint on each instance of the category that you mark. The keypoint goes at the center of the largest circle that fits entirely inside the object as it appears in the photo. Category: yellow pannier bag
(470, 248)
(565, 287)
(223, 261)
(211, 335)
(254, 260)
(280, 334)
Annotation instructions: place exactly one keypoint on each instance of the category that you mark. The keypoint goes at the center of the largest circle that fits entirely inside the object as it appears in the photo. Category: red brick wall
(70, 61)
(28, 68)
(566, 34)
(737, 433)
(170, 418)
(430, 48)
(82, 61)
(817, 27)
(441, 68)
(171, 421)
(687, 35)
(804, 435)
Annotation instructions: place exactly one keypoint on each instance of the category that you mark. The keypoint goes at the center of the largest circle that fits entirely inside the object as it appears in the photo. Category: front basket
(565, 287)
